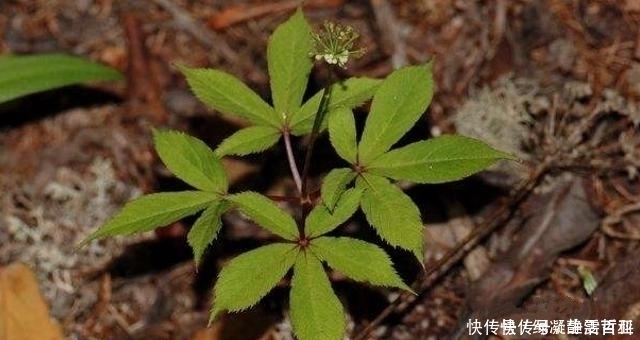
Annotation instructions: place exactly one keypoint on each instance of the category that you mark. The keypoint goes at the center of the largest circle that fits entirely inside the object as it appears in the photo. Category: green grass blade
(24, 75)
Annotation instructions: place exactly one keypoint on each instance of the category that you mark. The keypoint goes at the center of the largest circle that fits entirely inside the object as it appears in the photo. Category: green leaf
(349, 93)
(249, 140)
(206, 228)
(321, 220)
(589, 282)
(342, 134)
(315, 311)
(289, 63)
(334, 184)
(24, 75)
(225, 93)
(152, 211)
(359, 260)
(398, 104)
(249, 277)
(391, 213)
(267, 214)
(191, 160)
(440, 159)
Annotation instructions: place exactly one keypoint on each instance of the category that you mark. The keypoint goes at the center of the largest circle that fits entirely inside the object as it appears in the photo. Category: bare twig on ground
(142, 88)
(203, 35)
(243, 12)
(390, 36)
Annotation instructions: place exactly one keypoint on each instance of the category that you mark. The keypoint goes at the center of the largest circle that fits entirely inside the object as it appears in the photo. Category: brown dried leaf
(616, 297)
(23, 312)
(618, 293)
(561, 220)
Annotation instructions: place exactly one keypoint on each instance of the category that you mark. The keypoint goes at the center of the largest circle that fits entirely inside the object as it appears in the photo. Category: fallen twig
(142, 89)
(203, 35)
(235, 14)
(391, 40)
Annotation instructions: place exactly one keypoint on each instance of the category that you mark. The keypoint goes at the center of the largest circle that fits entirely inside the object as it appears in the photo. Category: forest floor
(555, 82)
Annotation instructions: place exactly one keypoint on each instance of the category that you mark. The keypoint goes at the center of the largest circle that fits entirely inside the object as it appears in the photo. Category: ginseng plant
(367, 183)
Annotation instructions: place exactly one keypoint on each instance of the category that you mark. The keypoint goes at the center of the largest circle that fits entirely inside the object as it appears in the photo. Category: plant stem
(322, 110)
(292, 161)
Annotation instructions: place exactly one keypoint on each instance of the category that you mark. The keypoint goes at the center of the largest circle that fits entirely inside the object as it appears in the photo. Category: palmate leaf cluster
(367, 184)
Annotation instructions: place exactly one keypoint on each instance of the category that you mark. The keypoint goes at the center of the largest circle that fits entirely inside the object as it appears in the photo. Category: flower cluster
(335, 44)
